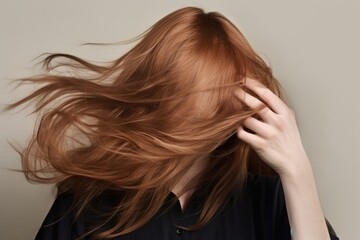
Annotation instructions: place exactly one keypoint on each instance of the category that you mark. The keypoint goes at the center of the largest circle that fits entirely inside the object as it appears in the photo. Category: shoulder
(266, 194)
(252, 178)
(61, 203)
(262, 199)
(60, 209)
(61, 219)
(263, 196)
(263, 185)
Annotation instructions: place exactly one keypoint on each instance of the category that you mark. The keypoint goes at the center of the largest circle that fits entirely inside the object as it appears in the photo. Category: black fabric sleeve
(333, 235)
(283, 225)
(58, 224)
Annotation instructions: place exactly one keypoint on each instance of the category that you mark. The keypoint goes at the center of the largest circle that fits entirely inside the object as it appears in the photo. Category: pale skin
(276, 139)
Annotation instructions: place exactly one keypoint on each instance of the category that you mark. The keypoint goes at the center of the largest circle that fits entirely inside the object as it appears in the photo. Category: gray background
(312, 46)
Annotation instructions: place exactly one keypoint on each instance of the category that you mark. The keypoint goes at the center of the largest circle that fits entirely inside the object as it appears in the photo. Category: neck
(198, 166)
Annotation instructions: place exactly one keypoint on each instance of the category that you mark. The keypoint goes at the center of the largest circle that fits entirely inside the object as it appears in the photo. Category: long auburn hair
(137, 124)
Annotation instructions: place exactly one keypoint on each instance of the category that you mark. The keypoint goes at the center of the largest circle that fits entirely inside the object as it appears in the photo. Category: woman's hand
(277, 141)
(276, 137)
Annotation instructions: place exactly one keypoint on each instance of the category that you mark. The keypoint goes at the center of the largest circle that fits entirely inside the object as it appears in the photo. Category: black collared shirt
(257, 212)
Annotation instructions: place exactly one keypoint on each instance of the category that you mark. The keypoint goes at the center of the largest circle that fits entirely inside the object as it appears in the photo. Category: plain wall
(312, 46)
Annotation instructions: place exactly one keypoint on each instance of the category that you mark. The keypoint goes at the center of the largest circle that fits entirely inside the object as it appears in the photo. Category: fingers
(265, 113)
(260, 128)
(252, 139)
(256, 131)
(273, 101)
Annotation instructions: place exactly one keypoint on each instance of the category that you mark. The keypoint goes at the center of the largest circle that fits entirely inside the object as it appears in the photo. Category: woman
(187, 135)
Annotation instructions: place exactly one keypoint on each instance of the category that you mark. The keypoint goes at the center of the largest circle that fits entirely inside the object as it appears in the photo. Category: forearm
(276, 139)
(303, 205)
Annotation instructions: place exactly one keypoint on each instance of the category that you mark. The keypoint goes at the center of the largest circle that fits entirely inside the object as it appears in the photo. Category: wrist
(296, 172)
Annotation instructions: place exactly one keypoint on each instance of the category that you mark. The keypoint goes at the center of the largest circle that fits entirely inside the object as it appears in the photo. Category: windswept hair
(137, 124)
